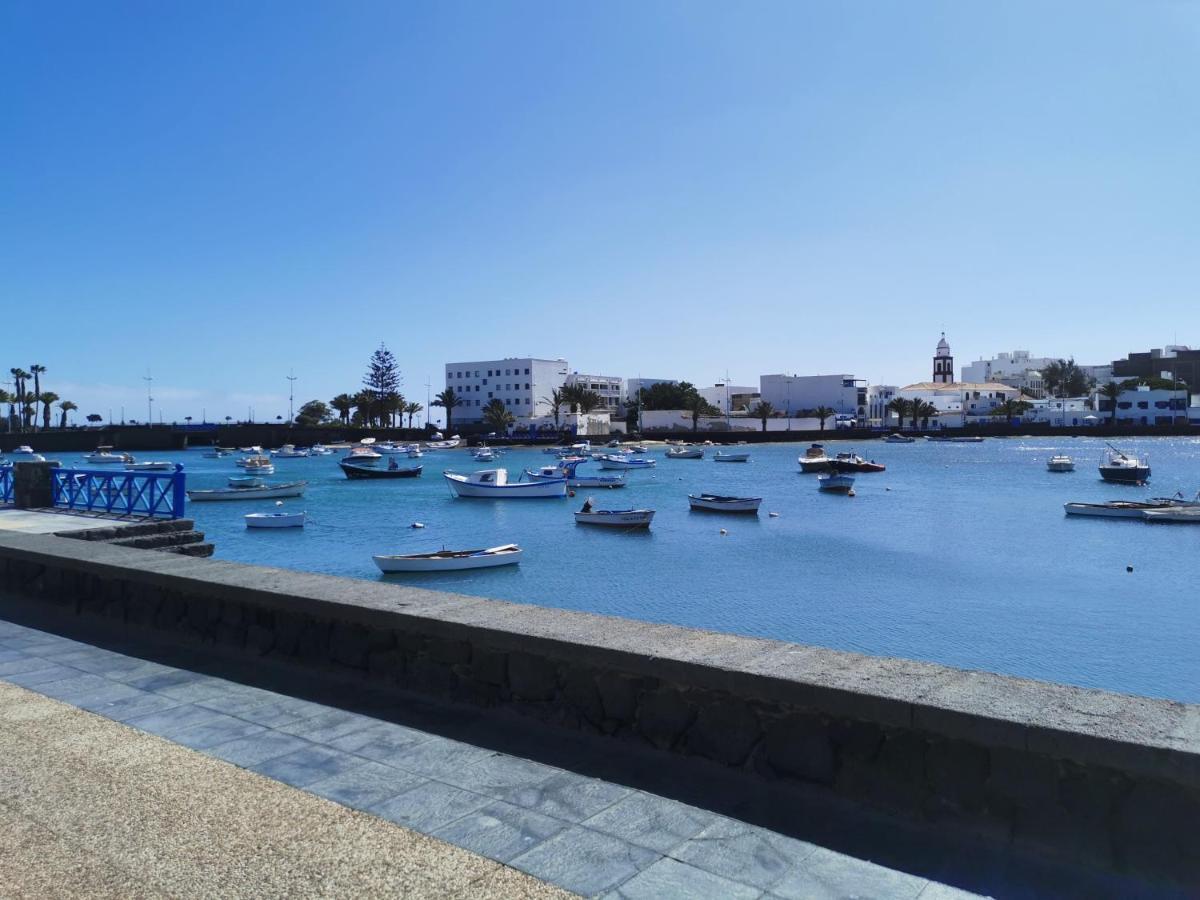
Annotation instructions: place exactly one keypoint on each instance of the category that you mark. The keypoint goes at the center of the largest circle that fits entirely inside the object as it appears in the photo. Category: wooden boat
(897, 438)
(852, 462)
(450, 560)
(1123, 468)
(721, 456)
(494, 484)
(835, 483)
(814, 459)
(103, 456)
(625, 462)
(684, 453)
(355, 470)
(265, 492)
(245, 481)
(615, 518)
(1060, 464)
(274, 520)
(717, 503)
(155, 466)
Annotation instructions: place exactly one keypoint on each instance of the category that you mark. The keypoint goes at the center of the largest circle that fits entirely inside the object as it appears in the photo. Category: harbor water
(958, 554)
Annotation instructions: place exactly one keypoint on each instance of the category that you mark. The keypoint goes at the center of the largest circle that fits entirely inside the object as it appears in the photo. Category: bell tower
(943, 363)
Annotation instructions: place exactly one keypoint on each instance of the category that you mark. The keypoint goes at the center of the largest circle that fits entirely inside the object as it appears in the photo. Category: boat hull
(612, 518)
(725, 504)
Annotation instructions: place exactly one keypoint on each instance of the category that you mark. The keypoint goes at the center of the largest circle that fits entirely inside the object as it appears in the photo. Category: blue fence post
(178, 494)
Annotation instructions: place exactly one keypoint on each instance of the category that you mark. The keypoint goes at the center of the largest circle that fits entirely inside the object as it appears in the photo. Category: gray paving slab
(365, 786)
(429, 806)
(259, 748)
(302, 767)
(744, 853)
(584, 861)
(500, 830)
(650, 821)
(670, 879)
(567, 796)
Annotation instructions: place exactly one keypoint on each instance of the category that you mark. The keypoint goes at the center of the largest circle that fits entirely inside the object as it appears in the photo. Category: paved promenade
(92, 807)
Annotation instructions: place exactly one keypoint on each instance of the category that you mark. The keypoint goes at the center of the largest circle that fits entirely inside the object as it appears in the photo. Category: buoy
(417, 525)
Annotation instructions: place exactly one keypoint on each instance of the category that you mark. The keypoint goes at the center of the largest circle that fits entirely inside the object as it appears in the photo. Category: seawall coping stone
(1156, 738)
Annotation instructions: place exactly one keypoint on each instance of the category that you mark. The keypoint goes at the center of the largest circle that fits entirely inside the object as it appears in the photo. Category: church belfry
(943, 363)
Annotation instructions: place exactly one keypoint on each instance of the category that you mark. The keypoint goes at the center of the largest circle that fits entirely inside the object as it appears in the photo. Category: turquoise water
(958, 553)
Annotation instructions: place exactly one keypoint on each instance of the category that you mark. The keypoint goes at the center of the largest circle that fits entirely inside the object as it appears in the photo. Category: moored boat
(450, 560)
(1124, 468)
(1060, 463)
(835, 483)
(717, 503)
(814, 459)
(355, 470)
(265, 492)
(494, 484)
(722, 456)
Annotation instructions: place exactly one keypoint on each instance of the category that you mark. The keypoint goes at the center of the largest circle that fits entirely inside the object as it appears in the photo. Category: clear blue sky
(218, 191)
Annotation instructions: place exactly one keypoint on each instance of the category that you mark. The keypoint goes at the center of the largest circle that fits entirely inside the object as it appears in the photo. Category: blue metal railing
(159, 494)
(6, 484)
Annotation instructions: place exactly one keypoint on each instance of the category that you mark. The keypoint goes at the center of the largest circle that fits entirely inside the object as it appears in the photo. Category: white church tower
(943, 363)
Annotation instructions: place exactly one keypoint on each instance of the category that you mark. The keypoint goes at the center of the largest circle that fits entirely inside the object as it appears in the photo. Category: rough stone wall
(1027, 788)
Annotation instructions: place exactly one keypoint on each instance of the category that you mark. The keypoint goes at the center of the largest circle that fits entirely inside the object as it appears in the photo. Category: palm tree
(823, 413)
(37, 393)
(66, 406)
(1111, 392)
(762, 410)
(901, 408)
(447, 400)
(1011, 409)
(923, 410)
(47, 399)
(556, 400)
(411, 409)
(343, 403)
(497, 415)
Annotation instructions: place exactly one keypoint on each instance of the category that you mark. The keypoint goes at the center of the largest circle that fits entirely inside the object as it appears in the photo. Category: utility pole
(149, 379)
(291, 377)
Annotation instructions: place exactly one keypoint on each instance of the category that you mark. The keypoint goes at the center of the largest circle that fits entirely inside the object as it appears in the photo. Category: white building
(731, 397)
(521, 383)
(610, 388)
(791, 394)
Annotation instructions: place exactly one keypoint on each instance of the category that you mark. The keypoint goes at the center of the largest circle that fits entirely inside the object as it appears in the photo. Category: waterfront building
(610, 388)
(1173, 362)
(739, 396)
(521, 383)
(791, 394)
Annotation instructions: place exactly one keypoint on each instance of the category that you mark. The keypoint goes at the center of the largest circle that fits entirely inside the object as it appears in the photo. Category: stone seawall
(1085, 776)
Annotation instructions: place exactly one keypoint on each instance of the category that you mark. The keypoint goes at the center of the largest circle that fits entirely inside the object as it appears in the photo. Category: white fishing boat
(494, 484)
(614, 518)
(684, 452)
(835, 483)
(1124, 468)
(104, 456)
(275, 520)
(722, 456)
(450, 560)
(897, 438)
(814, 459)
(1060, 464)
(266, 492)
(289, 451)
(625, 462)
(158, 465)
(717, 503)
(245, 481)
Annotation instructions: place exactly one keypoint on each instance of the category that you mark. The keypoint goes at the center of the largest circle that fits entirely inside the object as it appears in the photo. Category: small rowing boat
(450, 560)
